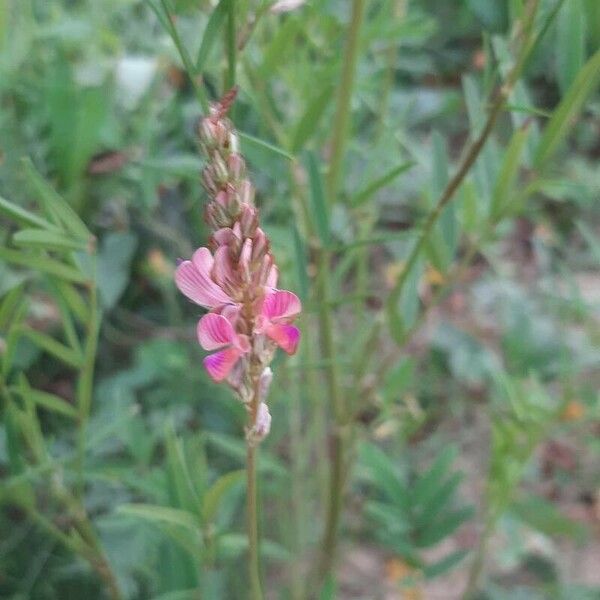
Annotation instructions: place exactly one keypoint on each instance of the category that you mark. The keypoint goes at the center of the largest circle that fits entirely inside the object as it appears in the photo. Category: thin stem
(251, 498)
(336, 398)
(327, 342)
(231, 46)
(478, 563)
(342, 114)
(85, 385)
(252, 518)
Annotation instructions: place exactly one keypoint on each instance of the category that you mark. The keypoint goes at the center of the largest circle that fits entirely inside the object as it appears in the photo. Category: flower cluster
(235, 278)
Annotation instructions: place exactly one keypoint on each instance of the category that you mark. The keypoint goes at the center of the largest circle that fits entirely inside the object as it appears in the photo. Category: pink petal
(281, 304)
(285, 336)
(215, 331)
(272, 277)
(198, 287)
(223, 269)
(220, 363)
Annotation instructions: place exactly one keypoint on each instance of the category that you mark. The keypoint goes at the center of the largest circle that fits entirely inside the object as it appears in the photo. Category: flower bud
(261, 427)
(246, 192)
(264, 383)
(220, 174)
(236, 166)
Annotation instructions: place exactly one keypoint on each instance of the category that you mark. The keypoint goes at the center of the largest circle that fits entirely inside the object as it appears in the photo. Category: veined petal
(215, 331)
(285, 336)
(198, 287)
(220, 363)
(280, 305)
(223, 269)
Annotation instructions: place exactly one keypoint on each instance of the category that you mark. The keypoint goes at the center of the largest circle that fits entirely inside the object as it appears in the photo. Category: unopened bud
(219, 169)
(264, 384)
(236, 166)
(209, 182)
(261, 427)
(246, 192)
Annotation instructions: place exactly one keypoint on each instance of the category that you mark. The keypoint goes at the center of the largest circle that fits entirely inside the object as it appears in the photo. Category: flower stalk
(235, 278)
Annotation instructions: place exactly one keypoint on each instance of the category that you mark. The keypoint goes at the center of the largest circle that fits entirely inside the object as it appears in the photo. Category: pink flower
(278, 310)
(215, 332)
(193, 278)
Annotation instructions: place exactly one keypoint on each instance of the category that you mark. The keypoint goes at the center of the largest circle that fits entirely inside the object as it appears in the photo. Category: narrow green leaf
(53, 203)
(43, 265)
(370, 190)
(211, 34)
(505, 182)
(73, 300)
(319, 205)
(48, 401)
(445, 564)
(383, 474)
(54, 347)
(181, 488)
(437, 530)
(570, 42)
(9, 306)
(311, 118)
(561, 123)
(216, 492)
(430, 482)
(47, 240)
(161, 514)
(22, 216)
(246, 138)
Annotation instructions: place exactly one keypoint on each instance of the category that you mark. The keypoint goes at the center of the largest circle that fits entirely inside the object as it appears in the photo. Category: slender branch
(342, 114)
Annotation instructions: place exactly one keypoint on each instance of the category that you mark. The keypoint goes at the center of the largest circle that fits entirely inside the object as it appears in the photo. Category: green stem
(252, 522)
(336, 398)
(231, 46)
(85, 385)
(342, 114)
(478, 563)
(251, 499)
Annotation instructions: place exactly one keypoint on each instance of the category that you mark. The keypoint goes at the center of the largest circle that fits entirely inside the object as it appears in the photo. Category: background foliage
(465, 403)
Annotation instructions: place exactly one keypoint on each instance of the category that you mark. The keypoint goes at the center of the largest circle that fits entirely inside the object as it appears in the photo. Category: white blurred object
(134, 76)
(286, 6)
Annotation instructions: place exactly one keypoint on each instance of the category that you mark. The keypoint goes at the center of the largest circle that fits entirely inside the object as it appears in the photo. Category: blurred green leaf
(370, 190)
(22, 216)
(211, 34)
(47, 240)
(114, 261)
(216, 492)
(54, 205)
(310, 120)
(570, 42)
(43, 265)
(65, 354)
(509, 170)
(49, 401)
(561, 123)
